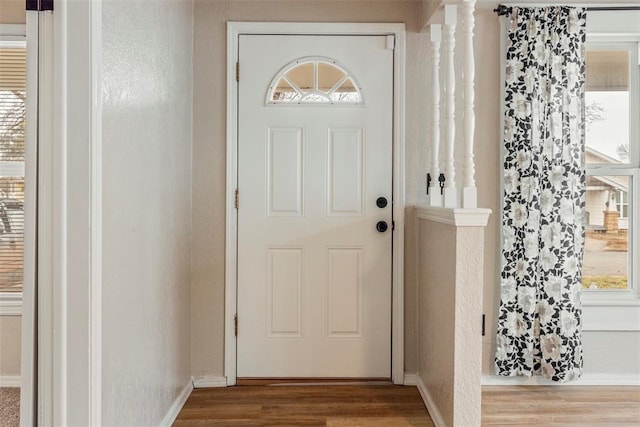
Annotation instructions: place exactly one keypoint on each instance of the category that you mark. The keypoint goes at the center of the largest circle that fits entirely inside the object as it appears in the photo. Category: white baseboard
(206, 381)
(584, 380)
(434, 413)
(410, 378)
(177, 405)
(10, 381)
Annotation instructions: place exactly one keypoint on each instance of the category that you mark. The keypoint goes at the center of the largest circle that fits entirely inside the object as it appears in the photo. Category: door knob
(381, 202)
(382, 226)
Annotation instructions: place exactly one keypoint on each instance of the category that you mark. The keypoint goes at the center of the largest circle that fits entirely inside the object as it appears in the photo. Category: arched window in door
(314, 80)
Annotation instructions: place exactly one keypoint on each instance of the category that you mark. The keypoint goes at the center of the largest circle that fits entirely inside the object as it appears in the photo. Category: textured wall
(147, 123)
(436, 325)
(450, 294)
(210, 141)
(10, 340)
(468, 339)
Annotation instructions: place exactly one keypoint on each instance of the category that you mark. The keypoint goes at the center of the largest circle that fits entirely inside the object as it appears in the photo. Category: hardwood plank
(379, 422)
(560, 406)
(300, 405)
(313, 381)
(388, 405)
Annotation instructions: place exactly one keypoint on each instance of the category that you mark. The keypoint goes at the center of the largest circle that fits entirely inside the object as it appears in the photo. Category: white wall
(595, 206)
(146, 264)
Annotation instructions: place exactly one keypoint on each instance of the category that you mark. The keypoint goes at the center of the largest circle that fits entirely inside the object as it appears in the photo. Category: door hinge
(391, 42)
(237, 71)
(237, 202)
(483, 331)
(39, 5)
(393, 225)
(235, 325)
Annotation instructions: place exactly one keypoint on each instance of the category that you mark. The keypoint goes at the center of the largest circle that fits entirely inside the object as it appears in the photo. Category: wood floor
(292, 405)
(560, 406)
(390, 406)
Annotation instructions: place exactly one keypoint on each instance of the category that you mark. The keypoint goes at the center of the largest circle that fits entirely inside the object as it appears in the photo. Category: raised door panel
(284, 292)
(285, 186)
(345, 292)
(345, 172)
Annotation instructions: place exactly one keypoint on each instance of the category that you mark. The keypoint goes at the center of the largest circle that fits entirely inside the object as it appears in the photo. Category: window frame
(629, 296)
(315, 60)
(606, 310)
(622, 201)
(601, 310)
(12, 35)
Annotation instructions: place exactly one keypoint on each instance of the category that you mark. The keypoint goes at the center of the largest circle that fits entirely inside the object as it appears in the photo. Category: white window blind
(12, 139)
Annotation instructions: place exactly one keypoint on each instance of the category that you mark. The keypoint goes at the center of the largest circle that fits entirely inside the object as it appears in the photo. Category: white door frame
(69, 305)
(234, 29)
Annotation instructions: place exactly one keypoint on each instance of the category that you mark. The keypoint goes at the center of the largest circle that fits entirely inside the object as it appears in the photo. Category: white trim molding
(11, 168)
(208, 381)
(610, 315)
(410, 378)
(234, 29)
(10, 303)
(29, 390)
(96, 242)
(10, 381)
(584, 380)
(433, 410)
(177, 405)
(13, 31)
(460, 217)
(64, 237)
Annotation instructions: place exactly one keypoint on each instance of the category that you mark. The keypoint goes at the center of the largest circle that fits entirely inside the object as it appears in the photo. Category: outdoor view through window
(609, 169)
(12, 136)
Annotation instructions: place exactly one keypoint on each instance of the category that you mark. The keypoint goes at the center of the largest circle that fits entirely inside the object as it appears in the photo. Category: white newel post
(450, 20)
(469, 190)
(435, 198)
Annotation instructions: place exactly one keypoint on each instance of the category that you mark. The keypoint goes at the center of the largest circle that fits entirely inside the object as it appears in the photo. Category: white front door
(314, 165)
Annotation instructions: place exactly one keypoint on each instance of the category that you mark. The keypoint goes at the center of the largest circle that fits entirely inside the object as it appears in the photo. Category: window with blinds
(12, 139)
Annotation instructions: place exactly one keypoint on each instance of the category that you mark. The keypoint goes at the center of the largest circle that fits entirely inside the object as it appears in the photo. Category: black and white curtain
(539, 324)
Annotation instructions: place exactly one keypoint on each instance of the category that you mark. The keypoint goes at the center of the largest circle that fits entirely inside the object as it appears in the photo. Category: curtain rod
(502, 10)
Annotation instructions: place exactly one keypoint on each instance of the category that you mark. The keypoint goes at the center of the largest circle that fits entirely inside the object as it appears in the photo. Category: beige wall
(487, 152)
(209, 145)
(12, 12)
(426, 11)
(449, 295)
(437, 274)
(10, 340)
(209, 151)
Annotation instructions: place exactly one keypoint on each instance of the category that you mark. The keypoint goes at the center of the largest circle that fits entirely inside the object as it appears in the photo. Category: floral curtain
(539, 324)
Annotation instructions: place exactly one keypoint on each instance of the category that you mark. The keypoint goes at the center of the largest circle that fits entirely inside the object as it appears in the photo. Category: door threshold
(312, 381)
